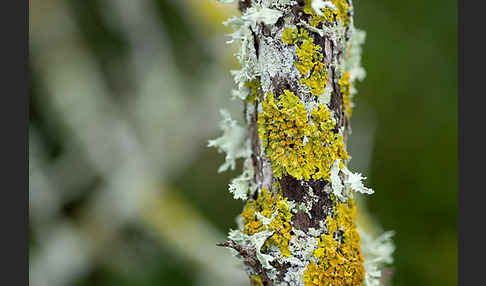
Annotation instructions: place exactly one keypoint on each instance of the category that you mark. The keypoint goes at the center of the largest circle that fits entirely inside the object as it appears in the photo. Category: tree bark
(299, 62)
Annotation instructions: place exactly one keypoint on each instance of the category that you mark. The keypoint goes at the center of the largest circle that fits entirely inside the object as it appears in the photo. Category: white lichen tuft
(234, 142)
(353, 62)
(377, 253)
(258, 239)
(343, 181)
(255, 242)
(354, 181)
(336, 184)
(236, 23)
(241, 186)
(246, 55)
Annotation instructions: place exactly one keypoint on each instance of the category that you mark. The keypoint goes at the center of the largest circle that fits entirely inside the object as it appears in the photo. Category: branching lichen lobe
(296, 82)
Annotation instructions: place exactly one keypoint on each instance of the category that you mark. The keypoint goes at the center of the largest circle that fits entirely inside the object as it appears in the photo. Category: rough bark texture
(299, 62)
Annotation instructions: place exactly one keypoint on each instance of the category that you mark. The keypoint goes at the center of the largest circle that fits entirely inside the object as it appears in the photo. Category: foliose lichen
(269, 212)
(299, 64)
(234, 141)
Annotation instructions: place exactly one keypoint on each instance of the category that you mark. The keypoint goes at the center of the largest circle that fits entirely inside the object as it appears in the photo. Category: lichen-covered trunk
(299, 61)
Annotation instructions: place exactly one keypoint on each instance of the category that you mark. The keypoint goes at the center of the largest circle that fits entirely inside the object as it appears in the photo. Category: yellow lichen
(342, 10)
(297, 146)
(289, 36)
(309, 55)
(329, 15)
(317, 81)
(268, 205)
(254, 87)
(256, 280)
(340, 261)
(345, 88)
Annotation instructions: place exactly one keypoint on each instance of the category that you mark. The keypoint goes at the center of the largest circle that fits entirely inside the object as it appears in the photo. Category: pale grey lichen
(266, 221)
(246, 55)
(309, 106)
(343, 181)
(337, 185)
(255, 242)
(353, 63)
(294, 272)
(258, 14)
(377, 253)
(293, 276)
(236, 23)
(234, 142)
(276, 60)
(306, 207)
(354, 181)
(250, 110)
(242, 186)
(325, 97)
(321, 32)
(302, 246)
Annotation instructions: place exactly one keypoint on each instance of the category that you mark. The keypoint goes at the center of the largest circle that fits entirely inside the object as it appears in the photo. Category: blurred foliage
(412, 85)
(410, 56)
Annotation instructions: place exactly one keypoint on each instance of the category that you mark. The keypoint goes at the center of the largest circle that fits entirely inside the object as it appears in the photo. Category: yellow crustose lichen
(291, 36)
(254, 86)
(310, 58)
(317, 81)
(256, 280)
(308, 55)
(267, 204)
(340, 261)
(296, 145)
(329, 15)
(345, 88)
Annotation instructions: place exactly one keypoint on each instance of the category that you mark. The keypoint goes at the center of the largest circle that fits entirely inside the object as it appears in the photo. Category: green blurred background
(125, 95)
